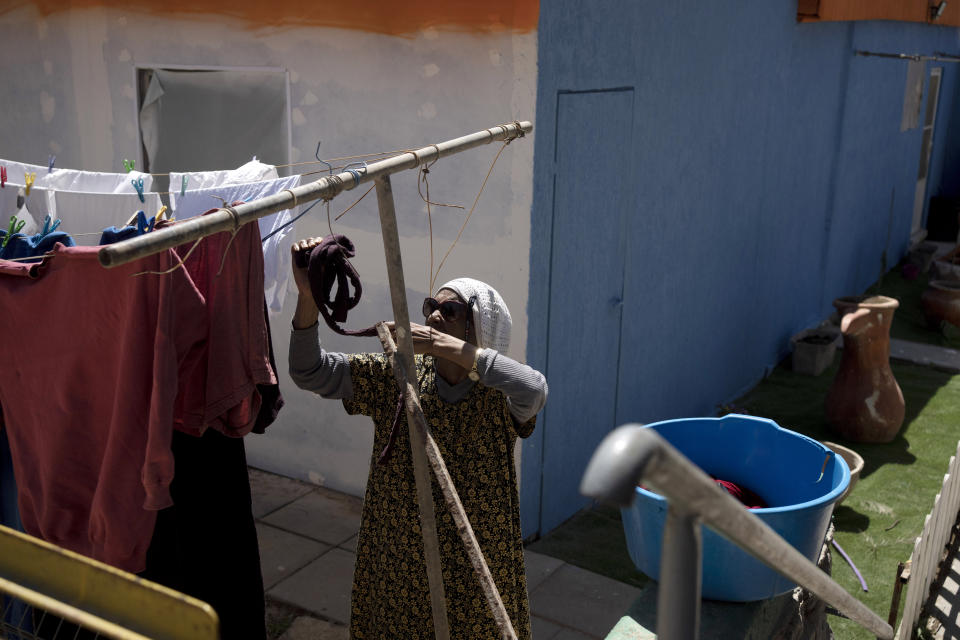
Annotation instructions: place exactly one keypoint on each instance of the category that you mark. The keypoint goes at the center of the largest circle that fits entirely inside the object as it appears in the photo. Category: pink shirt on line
(220, 391)
(88, 388)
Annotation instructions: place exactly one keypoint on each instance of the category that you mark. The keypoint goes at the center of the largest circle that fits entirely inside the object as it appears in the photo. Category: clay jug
(941, 302)
(865, 403)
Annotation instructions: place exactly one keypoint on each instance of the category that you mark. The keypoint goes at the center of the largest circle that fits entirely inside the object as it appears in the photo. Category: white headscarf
(490, 314)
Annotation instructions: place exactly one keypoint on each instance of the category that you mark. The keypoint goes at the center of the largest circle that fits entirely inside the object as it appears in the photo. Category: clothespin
(49, 228)
(162, 214)
(138, 185)
(29, 178)
(50, 161)
(129, 165)
(15, 226)
(3, 177)
(183, 185)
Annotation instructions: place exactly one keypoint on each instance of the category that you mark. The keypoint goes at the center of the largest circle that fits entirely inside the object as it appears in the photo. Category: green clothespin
(15, 226)
(129, 165)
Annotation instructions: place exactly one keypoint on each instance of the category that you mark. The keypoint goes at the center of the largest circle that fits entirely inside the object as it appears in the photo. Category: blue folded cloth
(142, 226)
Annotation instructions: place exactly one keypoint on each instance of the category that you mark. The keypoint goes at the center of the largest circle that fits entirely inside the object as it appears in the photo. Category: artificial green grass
(878, 522)
(908, 321)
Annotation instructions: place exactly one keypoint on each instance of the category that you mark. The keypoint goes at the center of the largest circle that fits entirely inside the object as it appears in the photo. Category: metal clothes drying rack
(424, 449)
(66, 587)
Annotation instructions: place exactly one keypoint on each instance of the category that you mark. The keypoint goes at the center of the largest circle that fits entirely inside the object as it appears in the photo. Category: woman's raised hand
(307, 311)
(300, 276)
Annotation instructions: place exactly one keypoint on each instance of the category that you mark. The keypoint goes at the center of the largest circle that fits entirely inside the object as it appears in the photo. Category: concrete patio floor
(308, 549)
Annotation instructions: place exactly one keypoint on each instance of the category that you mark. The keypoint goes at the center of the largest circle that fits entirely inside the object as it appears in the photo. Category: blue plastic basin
(782, 467)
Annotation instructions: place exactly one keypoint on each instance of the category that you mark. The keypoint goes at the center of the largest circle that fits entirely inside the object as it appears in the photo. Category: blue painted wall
(768, 175)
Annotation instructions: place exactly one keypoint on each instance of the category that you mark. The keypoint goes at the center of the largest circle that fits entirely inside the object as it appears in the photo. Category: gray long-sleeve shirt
(328, 374)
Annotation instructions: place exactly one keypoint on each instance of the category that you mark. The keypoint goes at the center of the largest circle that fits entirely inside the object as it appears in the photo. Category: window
(207, 119)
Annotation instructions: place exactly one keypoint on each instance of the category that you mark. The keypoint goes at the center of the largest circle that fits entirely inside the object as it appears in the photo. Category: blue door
(591, 201)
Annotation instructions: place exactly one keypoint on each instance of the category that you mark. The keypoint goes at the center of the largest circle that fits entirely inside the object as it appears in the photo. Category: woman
(477, 401)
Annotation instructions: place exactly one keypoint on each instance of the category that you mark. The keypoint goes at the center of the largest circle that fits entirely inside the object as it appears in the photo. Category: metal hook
(321, 160)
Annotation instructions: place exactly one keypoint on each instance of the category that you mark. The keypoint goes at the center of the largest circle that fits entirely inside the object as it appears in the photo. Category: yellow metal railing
(61, 585)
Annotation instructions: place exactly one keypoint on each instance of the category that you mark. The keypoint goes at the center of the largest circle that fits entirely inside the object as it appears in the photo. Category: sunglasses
(451, 310)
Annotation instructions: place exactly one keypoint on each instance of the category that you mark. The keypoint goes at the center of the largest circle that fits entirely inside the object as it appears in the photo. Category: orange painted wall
(901, 10)
(394, 17)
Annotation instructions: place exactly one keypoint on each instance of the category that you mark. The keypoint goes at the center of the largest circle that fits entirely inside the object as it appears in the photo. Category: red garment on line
(219, 390)
(88, 386)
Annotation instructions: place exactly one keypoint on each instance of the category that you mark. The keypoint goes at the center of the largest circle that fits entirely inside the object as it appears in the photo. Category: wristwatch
(474, 374)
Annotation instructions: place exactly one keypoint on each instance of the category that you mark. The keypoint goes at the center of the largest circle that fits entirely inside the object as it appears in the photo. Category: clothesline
(378, 155)
(264, 239)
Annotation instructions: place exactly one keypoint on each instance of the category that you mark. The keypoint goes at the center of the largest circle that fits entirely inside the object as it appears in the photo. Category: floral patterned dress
(476, 436)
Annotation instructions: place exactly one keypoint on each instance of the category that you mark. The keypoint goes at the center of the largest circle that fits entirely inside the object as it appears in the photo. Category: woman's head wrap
(490, 314)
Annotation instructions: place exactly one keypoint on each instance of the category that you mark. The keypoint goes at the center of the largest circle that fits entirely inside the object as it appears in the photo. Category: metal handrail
(630, 454)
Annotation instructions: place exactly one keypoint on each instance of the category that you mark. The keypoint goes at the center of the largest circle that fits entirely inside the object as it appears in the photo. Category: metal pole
(231, 218)
(631, 453)
(678, 593)
(940, 57)
(398, 295)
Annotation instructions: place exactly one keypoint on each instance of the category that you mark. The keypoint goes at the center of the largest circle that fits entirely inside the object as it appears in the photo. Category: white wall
(70, 90)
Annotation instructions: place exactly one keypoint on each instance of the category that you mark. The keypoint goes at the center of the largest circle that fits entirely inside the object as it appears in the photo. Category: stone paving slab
(283, 553)
(539, 567)
(927, 355)
(573, 634)
(544, 629)
(349, 545)
(322, 587)
(270, 491)
(307, 628)
(322, 514)
(582, 600)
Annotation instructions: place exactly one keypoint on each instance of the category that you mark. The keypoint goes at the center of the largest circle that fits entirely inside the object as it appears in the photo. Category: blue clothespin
(47, 227)
(15, 226)
(50, 161)
(138, 185)
(183, 185)
(129, 165)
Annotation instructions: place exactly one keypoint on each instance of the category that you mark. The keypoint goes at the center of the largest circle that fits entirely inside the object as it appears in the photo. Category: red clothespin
(3, 177)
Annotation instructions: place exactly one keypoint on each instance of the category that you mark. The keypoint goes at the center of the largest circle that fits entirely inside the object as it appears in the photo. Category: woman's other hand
(307, 310)
(423, 337)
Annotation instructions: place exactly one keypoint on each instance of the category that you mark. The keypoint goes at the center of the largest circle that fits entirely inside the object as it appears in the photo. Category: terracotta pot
(941, 302)
(865, 403)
